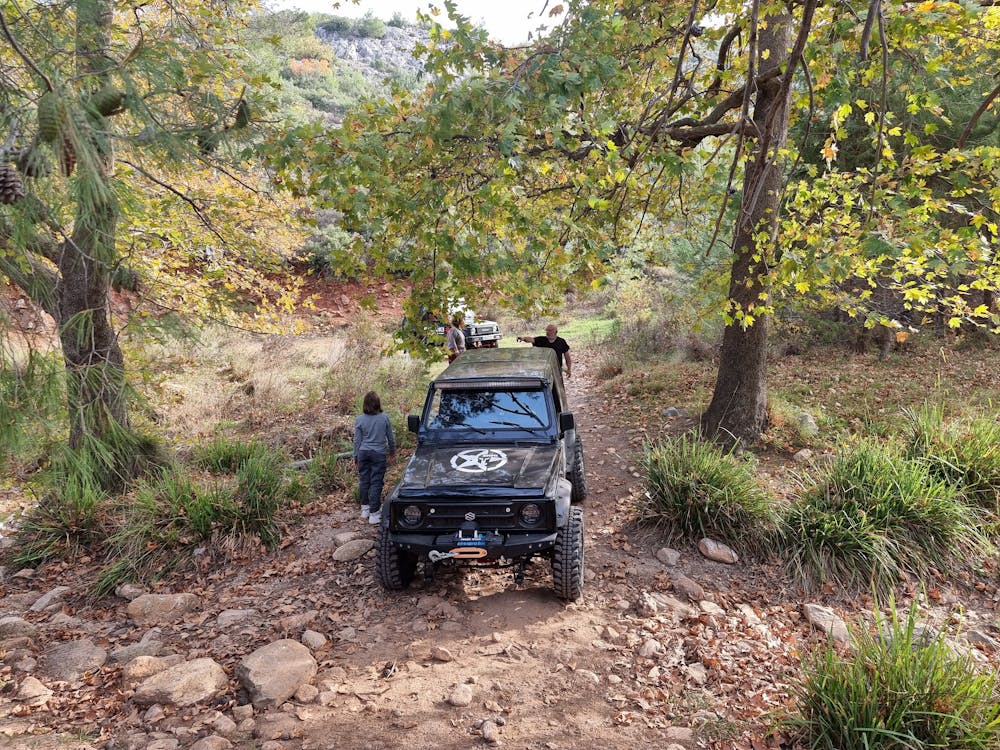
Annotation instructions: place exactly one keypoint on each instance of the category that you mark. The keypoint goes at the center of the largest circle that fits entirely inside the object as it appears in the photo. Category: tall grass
(874, 516)
(159, 524)
(896, 688)
(965, 453)
(695, 489)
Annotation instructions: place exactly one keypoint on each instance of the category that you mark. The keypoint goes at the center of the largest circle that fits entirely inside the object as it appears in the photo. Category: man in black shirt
(555, 342)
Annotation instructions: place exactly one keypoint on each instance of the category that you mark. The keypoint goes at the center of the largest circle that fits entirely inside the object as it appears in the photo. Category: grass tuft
(696, 490)
(964, 453)
(874, 516)
(897, 688)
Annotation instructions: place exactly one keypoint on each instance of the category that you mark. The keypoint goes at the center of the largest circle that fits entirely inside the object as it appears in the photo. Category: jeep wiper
(532, 430)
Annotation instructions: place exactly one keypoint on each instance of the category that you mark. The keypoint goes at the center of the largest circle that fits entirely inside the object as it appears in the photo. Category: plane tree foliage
(125, 164)
(522, 171)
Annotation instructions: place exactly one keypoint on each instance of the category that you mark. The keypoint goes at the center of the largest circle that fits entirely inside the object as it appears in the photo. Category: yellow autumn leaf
(954, 322)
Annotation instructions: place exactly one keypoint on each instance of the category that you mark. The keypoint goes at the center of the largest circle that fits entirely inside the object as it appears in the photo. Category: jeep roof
(533, 363)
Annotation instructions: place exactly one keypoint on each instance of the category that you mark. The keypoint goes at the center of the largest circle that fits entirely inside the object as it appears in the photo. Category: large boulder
(273, 673)
(183, 685)
(67, 662)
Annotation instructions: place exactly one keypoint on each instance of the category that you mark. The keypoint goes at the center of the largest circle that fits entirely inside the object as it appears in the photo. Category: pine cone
(11, 187)
(49, 116)
(67, 157)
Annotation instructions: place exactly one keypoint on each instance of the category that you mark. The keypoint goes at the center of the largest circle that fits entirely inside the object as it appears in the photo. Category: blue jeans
(371, 476)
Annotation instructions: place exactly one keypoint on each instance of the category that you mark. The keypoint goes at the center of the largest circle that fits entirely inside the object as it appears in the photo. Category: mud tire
(567, 558)
(394, 568)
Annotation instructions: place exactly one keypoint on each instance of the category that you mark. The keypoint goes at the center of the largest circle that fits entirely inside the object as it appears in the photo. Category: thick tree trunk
(738, 412)
(95, 383)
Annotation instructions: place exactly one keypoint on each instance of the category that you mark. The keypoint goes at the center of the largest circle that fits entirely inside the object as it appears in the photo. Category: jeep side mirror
(413, 422)
(566, 421)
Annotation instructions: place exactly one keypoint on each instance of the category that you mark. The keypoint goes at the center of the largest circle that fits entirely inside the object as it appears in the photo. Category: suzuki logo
(478, 461)
(470, 516)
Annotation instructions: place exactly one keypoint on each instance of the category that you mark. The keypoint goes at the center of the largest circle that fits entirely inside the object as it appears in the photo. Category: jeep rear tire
(394, 568)
(576, 476)
(567, 558)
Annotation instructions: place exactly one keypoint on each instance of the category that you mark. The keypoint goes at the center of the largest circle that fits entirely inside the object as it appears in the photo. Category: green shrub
(329, 471)
(964, 453)
(697, 490)
(873, 516)
(31, 405)
(224, 455)
(259, 495)
(160, 523)
(897, 688)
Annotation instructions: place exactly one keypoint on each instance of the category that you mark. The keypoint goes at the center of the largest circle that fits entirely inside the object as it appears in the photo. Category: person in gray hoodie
(373, 445)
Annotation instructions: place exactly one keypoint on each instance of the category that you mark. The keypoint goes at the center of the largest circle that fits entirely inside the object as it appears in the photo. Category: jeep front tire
(394, 568)
(567, 558)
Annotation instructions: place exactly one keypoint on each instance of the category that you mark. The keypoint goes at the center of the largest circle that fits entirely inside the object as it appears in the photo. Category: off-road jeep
(497, 476)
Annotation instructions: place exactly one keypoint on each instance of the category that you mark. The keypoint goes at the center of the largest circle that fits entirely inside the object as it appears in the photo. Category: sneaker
(375, 518)
(365, 513)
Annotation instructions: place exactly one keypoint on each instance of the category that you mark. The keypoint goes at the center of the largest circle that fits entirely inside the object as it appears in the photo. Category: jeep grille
(445, 516)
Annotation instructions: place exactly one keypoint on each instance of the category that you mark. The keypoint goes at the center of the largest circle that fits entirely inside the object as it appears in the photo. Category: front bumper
(511, 546)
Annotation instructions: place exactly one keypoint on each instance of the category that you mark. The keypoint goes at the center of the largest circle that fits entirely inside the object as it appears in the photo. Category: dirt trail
(606, 671)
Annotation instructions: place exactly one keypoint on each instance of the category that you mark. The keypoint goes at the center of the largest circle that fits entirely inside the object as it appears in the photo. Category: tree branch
(976, 115)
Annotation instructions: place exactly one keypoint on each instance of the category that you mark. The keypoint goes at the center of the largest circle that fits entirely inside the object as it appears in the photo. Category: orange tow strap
(468, 553)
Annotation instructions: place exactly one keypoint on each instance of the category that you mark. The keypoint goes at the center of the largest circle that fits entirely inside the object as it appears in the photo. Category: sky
(508, 21)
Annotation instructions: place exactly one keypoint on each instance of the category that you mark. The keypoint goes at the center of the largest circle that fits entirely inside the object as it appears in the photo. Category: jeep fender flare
(564, 492)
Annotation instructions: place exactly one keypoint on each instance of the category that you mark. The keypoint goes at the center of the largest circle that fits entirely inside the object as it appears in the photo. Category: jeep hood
(463, 469)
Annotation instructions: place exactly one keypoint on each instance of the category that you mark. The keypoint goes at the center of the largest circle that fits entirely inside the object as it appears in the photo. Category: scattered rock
(979, 638)
(306, 693)
(491, 733)
(652, 603)
(278, 726)
(344, 537)
(231, 617)
(164, 743)
(440, 653)
(129, 591)
(273, 673)
(242, 713)
(717, 551)
(688, 588)
(589, 676)
(150, 645)
(184, 684)
(803, 456)
(353, 550)
(807, 425)
(295, 623)
(697, 672)
(748, 614)
(667, 556)
(49, 600)
(672, 411)
(825, 619)
(313, 640)
(650, 647)
(461, 696)
(68, 661)
(33, 692)
(157, 609)
(15, 627)
(142, 667)
(212, 742)
(223, 725)
(711, 608)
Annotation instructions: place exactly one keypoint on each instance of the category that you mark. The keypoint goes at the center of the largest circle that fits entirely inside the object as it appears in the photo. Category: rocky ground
(300, 649)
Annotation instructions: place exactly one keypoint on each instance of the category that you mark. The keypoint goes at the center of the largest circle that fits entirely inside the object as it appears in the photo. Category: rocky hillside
(386, 59)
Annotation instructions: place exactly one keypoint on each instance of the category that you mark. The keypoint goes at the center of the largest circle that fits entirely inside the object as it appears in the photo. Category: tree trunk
(95, 374)
(738, 412)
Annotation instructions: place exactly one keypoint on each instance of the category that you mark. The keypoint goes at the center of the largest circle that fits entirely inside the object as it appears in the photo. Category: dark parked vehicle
(497, 476)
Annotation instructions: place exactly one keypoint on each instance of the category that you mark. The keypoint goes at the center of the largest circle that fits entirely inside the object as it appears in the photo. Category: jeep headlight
(531, 514)
(411, 515)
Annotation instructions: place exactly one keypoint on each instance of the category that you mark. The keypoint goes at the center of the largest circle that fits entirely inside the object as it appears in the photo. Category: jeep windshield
(487, 410)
